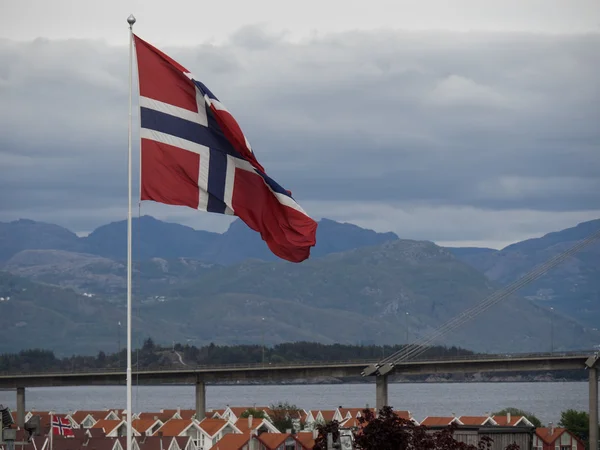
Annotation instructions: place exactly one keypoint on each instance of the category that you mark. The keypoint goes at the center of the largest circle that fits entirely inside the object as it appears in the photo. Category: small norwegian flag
(61, 427)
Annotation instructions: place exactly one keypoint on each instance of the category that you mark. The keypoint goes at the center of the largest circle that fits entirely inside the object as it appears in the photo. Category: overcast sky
(466, 122)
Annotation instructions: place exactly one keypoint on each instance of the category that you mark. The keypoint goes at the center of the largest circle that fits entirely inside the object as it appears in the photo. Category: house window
(197, 443)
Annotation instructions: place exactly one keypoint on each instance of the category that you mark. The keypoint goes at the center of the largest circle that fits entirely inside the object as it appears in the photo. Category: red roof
(174, 427)
(273, 440)
(503, 420)
(142, 425)
(306, 439)
(242, 424)
(212, 426)
(473, 420)
(215, 411)
(432, 421)
(549, 435)
(328, 414)
(106, 425)
(79, 416)
(403, 414)
(231, 441)
(354, 412)
(162, 416)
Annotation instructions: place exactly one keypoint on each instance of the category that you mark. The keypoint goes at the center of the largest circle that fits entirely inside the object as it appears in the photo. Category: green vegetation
(387, 431)
(283, 414)
(577, 423)
(151, 356)
(256, 413)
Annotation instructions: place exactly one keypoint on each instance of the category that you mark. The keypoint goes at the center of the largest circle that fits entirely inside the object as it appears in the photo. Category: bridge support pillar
(381, 391)
(200, 400)
(21, 407)
(593, 408)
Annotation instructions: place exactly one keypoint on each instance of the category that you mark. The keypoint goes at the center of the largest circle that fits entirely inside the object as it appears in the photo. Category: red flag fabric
(61, 426)
(195, 154)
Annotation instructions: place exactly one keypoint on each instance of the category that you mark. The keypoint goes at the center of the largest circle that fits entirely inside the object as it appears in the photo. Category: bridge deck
(290, 372)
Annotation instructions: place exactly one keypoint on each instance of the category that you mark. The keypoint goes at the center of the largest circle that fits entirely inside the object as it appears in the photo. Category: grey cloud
(471, 121)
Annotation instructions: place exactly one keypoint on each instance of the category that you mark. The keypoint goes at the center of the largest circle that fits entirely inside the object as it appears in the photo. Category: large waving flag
(195, 154)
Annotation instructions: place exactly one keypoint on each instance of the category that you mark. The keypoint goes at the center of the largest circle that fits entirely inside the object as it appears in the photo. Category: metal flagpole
(130, 21)
(51, 429)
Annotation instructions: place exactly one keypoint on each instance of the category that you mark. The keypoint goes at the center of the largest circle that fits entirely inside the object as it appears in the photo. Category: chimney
(179, 410)
(288, 431)
(315, 433)
(507, 418)
(551, 429)
(250, 421)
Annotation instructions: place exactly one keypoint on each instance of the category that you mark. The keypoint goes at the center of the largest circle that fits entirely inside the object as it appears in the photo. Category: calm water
(546, 400)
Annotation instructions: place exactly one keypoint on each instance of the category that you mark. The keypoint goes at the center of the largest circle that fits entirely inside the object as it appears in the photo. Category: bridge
(202, 375)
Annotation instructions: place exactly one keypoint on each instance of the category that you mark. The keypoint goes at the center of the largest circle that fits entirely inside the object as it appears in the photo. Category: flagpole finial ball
(131, 20)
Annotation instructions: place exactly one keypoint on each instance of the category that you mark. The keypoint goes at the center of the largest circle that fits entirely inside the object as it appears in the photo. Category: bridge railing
(296, 364)
(502, 356)
(201, 367)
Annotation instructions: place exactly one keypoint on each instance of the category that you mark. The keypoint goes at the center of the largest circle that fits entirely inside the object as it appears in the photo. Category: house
(182, 427)
(161, 443)
(279, 441)
(233, 442)
(146, 426)
(180, 413)
(308, 418)
(306, 439)
(435, 421)
(501, 436)
(113, 428)
(406, 415)
(162, 416)
(328, 415)
(556, 438)
(213, 430)
(216, 413)
(255, 426)
(512, 421)
(347, 413)
(183, 443)
(479, 421)
(87, 419)
(66, 443)
(233, 413)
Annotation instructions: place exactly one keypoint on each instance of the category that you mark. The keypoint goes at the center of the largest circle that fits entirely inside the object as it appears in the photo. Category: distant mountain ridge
(572, 288)
(358, 286)
(157, 239)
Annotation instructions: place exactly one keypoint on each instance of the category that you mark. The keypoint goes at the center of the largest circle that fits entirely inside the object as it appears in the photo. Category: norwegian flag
(61, 426)
(194, 154)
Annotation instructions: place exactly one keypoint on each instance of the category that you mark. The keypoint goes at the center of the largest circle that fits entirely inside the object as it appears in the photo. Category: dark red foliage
(390, 432)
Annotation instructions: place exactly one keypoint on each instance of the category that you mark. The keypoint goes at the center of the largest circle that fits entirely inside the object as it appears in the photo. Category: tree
(519, 412)
(256, 413)
(576, 422)
(283, 416)
(148, 344)
(387, 431)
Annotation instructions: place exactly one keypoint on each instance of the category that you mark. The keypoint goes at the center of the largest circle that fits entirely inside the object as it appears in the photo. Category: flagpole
(130, 21)
(51, 429)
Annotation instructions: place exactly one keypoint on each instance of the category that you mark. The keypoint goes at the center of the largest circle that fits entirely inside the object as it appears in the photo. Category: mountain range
(359, 286)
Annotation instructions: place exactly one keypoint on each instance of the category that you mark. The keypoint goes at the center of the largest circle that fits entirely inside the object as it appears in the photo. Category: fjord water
(545, 399)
